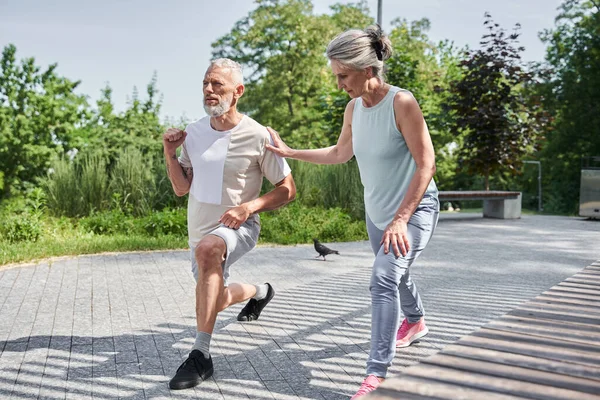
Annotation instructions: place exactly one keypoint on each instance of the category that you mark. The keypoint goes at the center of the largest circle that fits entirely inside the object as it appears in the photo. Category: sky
(124, 42)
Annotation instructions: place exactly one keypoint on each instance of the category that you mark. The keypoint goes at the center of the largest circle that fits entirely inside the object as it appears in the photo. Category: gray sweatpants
(393, 293)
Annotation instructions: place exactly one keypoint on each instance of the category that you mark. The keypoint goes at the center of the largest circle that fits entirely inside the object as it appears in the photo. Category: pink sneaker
(368, 385)
(408, 332)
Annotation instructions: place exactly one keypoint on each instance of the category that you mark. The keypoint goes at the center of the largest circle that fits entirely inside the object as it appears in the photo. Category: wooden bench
(546, 349)
(496, 204)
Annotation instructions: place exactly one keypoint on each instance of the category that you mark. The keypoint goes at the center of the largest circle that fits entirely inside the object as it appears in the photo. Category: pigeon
(323, 250)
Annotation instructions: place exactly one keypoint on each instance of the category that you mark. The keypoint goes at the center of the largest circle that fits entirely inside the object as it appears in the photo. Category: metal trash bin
(589, 194)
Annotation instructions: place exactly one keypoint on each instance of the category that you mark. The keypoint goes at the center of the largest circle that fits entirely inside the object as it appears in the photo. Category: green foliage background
(68, 164)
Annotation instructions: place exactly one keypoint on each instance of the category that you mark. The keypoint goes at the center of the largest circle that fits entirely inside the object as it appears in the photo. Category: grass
(113, 231)
(69, 236)
(46, 247)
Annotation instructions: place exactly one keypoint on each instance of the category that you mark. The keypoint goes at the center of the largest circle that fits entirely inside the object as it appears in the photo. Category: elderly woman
(385, 130)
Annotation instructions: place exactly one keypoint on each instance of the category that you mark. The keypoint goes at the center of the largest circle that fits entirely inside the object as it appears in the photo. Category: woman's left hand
(279, 148)
(396, 236)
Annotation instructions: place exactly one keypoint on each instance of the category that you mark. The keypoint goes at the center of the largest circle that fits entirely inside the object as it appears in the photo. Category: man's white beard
(216, 111)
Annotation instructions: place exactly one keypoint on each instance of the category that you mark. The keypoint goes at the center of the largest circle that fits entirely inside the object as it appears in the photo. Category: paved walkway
(117, 326)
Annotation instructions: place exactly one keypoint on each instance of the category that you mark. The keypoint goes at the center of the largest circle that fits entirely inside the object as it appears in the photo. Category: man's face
(351, 80)
(219, 91)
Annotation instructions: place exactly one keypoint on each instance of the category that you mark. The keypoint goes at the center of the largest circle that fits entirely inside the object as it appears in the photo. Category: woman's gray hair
(361, 49)
(235, 67)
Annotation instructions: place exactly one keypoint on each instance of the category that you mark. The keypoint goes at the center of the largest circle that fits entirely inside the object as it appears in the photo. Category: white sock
(261, 291)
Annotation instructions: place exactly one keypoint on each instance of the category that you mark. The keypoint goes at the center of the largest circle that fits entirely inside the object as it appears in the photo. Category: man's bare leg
(211, 298)
(209, 254)
(236, 293)
(198, 367)
(211, 295)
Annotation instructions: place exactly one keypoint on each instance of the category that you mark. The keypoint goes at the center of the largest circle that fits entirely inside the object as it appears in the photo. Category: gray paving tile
(119, 325)
(280, 389)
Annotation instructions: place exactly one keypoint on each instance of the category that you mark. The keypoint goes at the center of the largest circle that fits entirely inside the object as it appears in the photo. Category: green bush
(330, 186)
(77, 188)
(62, 189)
(108, 223)
(165, 197)
(22, 217)
(132, 179)
(166, 222)
(297, 223)
(23, 227)
(138, 185)
(292, 224)
(93, 183)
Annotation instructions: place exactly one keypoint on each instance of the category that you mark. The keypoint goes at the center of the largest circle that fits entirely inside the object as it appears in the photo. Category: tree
(413, 60)
(108, 133)
(497, 121)
(39, 113)
(281, 44)
(572, 95)
(332, 101)
(426, 68)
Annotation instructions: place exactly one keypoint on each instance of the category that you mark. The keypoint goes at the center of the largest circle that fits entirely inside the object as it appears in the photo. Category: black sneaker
(193, 371)
(253, 308)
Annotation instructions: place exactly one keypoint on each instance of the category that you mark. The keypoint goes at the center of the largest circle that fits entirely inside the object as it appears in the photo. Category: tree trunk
(487, 181)
(290, 106)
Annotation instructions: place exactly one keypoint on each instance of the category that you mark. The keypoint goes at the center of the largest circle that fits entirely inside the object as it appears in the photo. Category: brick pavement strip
(118, 325)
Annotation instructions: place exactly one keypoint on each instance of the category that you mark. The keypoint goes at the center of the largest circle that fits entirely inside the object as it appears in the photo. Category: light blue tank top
(384, 161)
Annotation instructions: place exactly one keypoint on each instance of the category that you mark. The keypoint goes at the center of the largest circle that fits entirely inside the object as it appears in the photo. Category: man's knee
(210, 252)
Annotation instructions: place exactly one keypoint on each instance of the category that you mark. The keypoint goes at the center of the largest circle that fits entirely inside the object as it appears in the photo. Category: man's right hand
(172, 139)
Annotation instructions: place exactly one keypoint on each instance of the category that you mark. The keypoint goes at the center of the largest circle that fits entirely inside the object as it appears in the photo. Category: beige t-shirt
(228, 170)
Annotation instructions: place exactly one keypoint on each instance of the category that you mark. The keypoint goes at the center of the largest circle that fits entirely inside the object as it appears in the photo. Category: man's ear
(239, 91)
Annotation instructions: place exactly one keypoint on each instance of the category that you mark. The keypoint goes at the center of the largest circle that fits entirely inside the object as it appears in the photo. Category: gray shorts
(238, 242)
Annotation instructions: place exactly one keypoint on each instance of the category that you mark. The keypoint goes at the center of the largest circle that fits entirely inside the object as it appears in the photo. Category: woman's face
(353, 81)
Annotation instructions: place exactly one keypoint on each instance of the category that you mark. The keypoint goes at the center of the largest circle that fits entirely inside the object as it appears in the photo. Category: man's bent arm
(181, 178)
(284, 192)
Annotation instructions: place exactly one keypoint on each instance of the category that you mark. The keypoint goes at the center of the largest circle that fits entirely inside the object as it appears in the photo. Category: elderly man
(222, 165)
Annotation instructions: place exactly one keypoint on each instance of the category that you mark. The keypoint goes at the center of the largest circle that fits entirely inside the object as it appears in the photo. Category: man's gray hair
(358, 49)
(235, 67)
